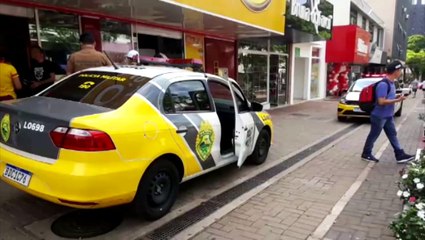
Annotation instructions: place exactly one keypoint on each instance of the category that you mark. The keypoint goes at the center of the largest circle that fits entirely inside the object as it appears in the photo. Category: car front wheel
(157, 190)
(261, 149)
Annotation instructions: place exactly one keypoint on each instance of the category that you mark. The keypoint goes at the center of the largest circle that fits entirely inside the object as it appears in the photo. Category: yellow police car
(109, 136)
(348, 106)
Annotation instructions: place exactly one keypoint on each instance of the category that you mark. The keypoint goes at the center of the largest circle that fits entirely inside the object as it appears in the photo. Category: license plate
(17, 175)
(357, 110)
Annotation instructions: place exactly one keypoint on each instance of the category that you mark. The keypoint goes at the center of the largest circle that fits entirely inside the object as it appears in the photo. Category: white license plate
(17, 175)
(357, 110)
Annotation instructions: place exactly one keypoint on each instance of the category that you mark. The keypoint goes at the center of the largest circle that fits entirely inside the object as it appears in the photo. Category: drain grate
(198, 213)
(86, 223)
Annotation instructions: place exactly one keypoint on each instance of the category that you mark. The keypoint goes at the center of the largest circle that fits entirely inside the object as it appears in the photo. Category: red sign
(349, 44)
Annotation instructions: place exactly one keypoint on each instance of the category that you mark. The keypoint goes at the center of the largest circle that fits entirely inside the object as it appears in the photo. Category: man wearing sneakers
(381, 116)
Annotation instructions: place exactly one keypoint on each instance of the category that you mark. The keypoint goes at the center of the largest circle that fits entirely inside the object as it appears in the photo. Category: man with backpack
(381, 116)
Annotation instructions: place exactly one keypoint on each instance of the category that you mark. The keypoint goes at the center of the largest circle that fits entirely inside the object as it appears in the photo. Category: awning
(224, 18)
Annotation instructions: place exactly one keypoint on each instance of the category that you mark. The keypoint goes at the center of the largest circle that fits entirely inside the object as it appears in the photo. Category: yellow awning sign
(263, 14)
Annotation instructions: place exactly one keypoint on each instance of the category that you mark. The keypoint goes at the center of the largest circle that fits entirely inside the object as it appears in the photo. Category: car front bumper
(351, 111)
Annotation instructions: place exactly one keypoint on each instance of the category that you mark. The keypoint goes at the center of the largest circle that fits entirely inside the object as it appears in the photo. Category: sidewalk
(295, 206)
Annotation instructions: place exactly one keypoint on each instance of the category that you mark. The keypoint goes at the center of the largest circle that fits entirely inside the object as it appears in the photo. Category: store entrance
(278, 79)
(14, 42)
(156, 46)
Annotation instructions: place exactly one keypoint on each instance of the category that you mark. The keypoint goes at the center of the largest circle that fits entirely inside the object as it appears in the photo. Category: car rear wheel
(398, 113)
(261, 149)
(157, 190)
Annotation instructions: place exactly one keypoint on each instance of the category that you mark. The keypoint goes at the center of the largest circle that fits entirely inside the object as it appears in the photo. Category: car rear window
(105, 89)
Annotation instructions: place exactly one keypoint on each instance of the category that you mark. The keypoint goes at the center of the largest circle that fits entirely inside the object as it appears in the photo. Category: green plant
(410, 224)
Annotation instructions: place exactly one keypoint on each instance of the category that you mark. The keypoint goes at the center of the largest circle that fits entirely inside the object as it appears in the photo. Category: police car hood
(352, 96)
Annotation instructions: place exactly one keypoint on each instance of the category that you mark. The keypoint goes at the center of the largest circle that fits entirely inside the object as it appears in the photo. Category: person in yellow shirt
(9, 80)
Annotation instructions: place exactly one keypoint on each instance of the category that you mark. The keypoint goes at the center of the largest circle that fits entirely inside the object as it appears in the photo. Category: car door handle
(181, 129)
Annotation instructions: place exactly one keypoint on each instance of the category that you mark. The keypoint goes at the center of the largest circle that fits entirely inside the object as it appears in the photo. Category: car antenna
(113, 64)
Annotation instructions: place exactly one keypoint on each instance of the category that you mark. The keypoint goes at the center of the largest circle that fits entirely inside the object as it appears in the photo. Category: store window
(252, 76)
(315, 73)
(278, 47)
(59, 35)
(158, 46)
(254, 44)
(116, 39)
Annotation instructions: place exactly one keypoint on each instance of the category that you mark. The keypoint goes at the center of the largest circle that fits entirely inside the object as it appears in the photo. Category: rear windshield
(105, 89)
(360, 84)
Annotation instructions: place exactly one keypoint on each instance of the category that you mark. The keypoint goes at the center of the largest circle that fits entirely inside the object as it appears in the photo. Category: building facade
(237, 41)
(417, 18)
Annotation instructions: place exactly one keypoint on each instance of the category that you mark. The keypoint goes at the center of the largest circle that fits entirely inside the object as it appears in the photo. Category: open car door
(244, 133)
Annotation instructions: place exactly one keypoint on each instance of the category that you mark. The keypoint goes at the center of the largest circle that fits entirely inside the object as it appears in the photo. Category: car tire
(157, 190)
(261, 150)
(398, 113)
(342, 119)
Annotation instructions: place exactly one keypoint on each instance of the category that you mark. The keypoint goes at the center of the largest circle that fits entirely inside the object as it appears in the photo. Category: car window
(359, 85)
(186, 96)
(105, 89)
(240, 99)
(220, 93)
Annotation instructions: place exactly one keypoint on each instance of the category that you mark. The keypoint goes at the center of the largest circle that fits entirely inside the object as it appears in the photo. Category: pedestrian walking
(382, 116)
(415, 85)
(9, 80)
(87, 57)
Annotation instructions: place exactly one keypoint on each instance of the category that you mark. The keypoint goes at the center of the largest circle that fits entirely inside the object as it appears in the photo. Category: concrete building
(395, 14)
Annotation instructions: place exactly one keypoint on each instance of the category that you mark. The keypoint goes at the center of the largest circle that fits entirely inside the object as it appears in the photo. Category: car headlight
(343, 100)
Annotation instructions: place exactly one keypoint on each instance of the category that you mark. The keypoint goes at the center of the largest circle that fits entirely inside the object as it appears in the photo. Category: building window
(315, 73)
(414, 2)
(353, 18)
(364, 21)
(371, 30)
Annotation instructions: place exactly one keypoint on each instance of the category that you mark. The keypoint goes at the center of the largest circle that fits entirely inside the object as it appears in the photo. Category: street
(311, 127)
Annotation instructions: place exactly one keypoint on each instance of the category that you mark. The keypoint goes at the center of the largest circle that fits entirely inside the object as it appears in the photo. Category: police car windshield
(359, 84)
(105, 89)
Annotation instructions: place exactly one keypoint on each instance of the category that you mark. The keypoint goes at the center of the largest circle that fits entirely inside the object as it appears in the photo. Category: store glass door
(278, 79)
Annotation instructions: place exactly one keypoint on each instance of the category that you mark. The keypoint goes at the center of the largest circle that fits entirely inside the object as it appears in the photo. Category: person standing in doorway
(42, 71)
(9, 80)
(87, 57)
(382, 116)
(414, 84)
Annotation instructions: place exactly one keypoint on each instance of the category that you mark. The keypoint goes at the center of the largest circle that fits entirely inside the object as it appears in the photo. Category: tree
(416, 55)
(416, 43)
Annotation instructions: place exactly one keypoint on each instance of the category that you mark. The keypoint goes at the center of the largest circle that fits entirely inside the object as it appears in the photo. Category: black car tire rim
(160, 189)
(263, 146)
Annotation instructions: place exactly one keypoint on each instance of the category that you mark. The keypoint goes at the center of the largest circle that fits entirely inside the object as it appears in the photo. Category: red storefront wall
(220, 54)
(350, 45)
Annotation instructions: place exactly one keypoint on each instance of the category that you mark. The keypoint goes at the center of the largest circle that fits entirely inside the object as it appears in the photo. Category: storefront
(167, 28)
(349, 57)
(306, 33)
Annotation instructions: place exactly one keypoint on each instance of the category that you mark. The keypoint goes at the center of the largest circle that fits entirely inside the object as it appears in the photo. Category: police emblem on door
(205, 140)
(5, 127)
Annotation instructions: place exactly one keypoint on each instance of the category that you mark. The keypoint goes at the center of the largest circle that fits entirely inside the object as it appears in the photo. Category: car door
(245, 130)
(189, 107)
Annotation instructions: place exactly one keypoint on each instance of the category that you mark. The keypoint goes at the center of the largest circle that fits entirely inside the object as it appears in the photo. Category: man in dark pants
(382, 116)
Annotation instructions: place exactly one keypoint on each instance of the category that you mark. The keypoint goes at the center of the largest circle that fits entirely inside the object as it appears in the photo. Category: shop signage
(362, 47)
(311, 13)
(255, 13)
(257, 5)
(313, 17)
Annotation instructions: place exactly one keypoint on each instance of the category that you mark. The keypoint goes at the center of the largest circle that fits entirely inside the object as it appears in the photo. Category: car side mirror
(256, 107)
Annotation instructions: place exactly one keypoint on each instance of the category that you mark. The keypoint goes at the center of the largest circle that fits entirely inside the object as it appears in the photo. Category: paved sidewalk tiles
(294, 206)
